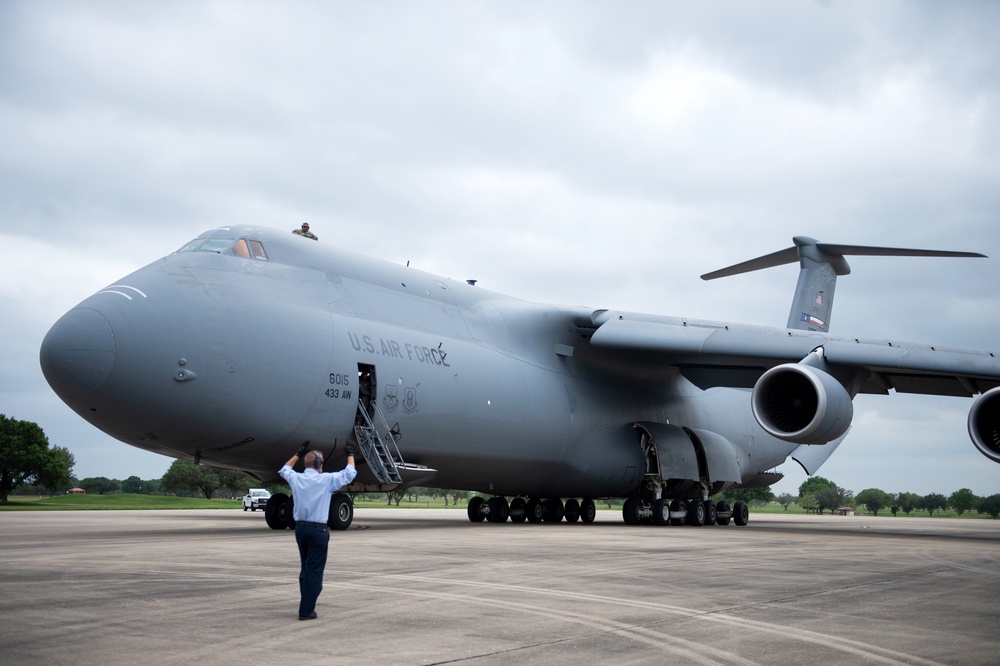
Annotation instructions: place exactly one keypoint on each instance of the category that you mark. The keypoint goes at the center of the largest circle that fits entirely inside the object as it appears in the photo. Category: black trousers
(313, 540)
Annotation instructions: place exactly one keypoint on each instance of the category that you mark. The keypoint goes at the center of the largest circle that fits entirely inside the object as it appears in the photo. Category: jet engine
(800, 403)
(984, 424)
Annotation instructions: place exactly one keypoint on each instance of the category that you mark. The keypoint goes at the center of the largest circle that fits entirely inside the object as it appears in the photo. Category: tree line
(818, 495)
(30, 465)
(26, 458)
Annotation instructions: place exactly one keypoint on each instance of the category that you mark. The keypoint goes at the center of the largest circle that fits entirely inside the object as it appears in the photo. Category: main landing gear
(278, 512)
(533, 510)
(636, 511)
(694, 512)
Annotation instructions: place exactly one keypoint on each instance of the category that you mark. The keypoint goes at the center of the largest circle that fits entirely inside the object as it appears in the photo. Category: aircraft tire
(630, 511)
(588, 512)
(244, 507)
(741, 513)
(475, 509)
(677, 505)
(518, 510)
(534, 510)
(572, 511)
(498, 509)
(341, 512)
(554, 510)
(278, 513)
(724, 513)
(711, 514)
(696, 513)
(661, 512)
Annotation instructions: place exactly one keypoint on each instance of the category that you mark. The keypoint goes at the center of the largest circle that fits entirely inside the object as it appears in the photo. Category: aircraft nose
(78, 353)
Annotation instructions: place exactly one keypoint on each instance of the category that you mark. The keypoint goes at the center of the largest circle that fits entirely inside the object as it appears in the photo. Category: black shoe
(311, 616)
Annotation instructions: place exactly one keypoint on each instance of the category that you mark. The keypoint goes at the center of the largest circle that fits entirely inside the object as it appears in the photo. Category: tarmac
(407, 586)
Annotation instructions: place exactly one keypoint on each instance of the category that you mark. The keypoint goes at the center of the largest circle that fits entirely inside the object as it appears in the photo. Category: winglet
(819, 266)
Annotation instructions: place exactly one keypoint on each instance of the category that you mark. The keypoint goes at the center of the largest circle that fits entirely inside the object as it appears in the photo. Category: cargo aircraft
(248, 341)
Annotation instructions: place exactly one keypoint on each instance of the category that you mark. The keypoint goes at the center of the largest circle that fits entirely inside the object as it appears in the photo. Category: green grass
(422, 503)
(117, 502)
(859, 511)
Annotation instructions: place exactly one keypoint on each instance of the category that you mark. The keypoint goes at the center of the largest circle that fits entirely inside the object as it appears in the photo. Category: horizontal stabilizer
(820, 264)
(779, 258)
(791, 255)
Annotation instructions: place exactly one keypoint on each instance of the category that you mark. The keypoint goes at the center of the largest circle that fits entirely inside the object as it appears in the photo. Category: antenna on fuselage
(819, 266)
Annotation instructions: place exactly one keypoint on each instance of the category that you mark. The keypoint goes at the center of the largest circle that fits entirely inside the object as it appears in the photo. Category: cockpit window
(208, 245)
(258, 250)
(240, 247)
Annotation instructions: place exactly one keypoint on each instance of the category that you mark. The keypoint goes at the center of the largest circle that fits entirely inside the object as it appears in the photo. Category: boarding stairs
(378, 444)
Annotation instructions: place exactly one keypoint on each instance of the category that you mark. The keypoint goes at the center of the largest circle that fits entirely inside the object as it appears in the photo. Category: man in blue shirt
(311, 491)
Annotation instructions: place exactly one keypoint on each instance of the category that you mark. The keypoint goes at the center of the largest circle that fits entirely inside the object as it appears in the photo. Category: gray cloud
(581, 153)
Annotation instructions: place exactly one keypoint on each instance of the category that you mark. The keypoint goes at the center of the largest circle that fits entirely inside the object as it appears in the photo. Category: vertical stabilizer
(813, 300)
(819, 266)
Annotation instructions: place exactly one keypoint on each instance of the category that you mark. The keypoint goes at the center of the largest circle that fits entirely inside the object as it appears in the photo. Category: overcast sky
(599, 154)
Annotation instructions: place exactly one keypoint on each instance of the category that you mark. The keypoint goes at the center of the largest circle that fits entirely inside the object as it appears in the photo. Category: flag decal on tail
(813, 321)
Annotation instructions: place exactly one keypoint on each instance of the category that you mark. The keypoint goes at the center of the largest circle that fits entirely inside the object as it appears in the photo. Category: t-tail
(819, 266)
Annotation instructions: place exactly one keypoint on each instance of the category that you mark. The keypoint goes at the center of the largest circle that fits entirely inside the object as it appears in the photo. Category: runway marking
(695, 652)
(930, 557)
(873, 652)
(642, 633)
(578, 620)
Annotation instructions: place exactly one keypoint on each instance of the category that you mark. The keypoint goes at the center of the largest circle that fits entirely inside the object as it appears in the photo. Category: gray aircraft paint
(233, 361)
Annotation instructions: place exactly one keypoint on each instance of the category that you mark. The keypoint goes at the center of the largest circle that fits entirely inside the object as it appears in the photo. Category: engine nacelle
(984, 424)
(800, 403)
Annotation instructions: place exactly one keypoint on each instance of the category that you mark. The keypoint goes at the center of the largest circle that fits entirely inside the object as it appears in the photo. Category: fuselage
(235, 349)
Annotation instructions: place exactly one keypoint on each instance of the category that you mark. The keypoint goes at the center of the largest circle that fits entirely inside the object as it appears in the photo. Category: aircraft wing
(713, 354)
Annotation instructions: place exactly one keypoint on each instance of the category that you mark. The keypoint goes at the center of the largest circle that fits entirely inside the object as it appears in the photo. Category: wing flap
(883, 354)
(929, 385)
(915, 368)
(713, 354)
